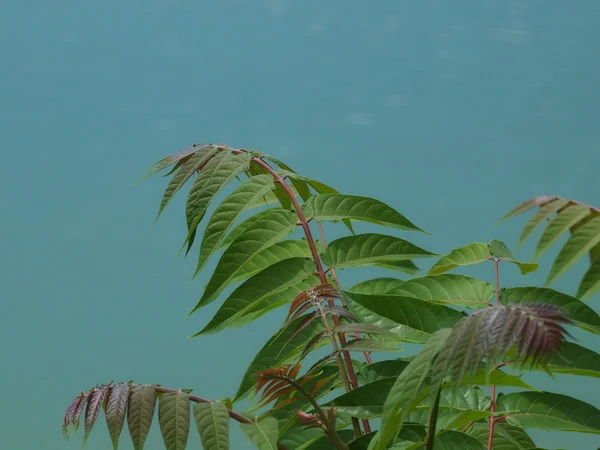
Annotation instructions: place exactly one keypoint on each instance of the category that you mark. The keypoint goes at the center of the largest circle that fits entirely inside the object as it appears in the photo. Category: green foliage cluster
(317, 383)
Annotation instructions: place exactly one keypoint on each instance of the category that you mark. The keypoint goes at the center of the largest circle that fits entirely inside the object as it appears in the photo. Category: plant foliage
(315, 379)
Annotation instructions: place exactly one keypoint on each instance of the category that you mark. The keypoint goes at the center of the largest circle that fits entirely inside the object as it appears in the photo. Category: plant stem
(365, 422)
(232, 414)
(493, 387)
(433, 421)
(353, 382)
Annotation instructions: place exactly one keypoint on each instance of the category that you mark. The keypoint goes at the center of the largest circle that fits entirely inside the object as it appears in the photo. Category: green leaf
(467, 255)
(263, 233)
(338, 207)
(298, 182)
(278, 349)
(228, 212)
(575, 360)
(280, 193)
(191, 166)
(174, 419)
(297, 438)
(560, 224)
(582, 315)
(506, 437)
(455, 440)
(581, 241)
(368, 249)
(243, 226)
(253, 292)
(376, 286)
(369, 345)
(447, 289)
(406, 266)
(274, 254)
(212, 420)
(365, 402)
(381, 369)
(219, 171)
(142, 401)
(410, 433)
(274, 301)
(93, 408)
(548, 411)
(501, 251)
(262, 434)
(591, 281)
(404, 394)
(414, 313)
(168, 161)
(528, 204)
(116, 408)
(544, 213)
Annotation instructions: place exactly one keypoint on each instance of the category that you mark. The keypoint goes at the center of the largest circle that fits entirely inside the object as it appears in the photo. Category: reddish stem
(493, 387)
(232, 414)
(315, 254)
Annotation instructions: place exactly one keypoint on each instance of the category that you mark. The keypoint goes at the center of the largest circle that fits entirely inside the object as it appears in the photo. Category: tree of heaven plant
(318, 384)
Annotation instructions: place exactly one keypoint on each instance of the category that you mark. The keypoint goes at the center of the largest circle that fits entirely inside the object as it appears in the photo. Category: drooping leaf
(116, 408)
(414, 313)
(298, 182)
(544, 213)
(455, 440)
(228, 212)
(404, 394)
(178, 156)
(219, 171)
(174, 419)
(197, 162)
(366, 328)
(170, 160)
(279, 190)
(263, 434)
(582, 315)
(245, 224)
(273, 301)
(411, 433)
(381, 369)
(536, 329)
(376, 286)
(339, 207)
(212, 420)
(528, 204)
(574, 359)
(365, 402)
(467, 255)
(142, 400)
(506, 437)
(590, 284)
(94, 405)
(369, 345)
(447, 289)
(263, 233)
(581, 241)
(548, 411)
(72, 414)
(275, 253)
(405, 266)
(559, 225)
(499, 250)
(278, 349)
(250, 294)
(368, 249)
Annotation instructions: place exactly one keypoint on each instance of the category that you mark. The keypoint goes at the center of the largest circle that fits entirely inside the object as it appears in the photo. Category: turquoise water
(451, 111)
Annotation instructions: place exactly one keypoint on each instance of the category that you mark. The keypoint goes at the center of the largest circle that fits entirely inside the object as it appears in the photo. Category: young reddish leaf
(93, 408)
(71, 419)
(116, 408)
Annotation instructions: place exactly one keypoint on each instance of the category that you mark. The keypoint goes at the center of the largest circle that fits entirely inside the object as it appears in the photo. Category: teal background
(451, 111)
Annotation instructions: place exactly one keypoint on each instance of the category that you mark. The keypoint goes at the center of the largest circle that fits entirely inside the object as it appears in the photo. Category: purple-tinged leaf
(340, 311)
(539, 200)
(69, 423)
(116, 408)
(304, 323)
(93, 408)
